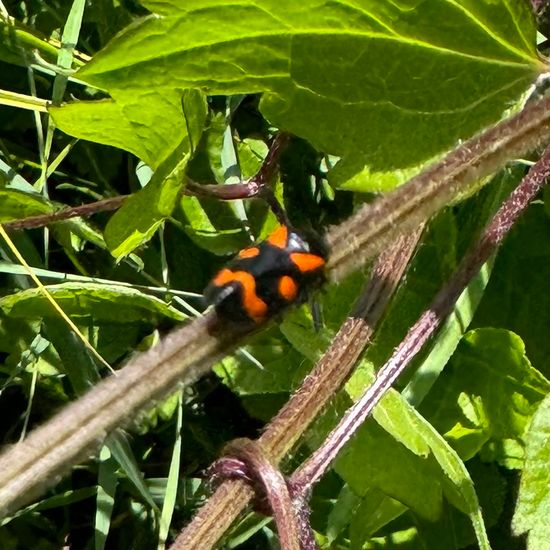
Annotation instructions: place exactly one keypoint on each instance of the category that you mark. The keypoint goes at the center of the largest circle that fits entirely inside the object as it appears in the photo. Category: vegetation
(126, 127)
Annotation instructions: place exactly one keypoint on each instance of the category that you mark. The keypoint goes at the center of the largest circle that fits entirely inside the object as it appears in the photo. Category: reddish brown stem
(272, 484)
(251, 188)
(82, 211)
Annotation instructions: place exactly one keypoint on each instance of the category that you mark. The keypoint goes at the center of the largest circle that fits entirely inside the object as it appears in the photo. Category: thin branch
(81, 211)
(251, 188)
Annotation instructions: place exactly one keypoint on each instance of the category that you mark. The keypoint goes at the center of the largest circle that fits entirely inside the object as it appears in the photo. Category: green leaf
(56, 501)
(213, 225)
(251, 153)
(69, 39)
(77, 362)
(10, 178)
(409, 75)
(339, 518)
(171, 492)
(103, 302)
(448, 338)
(532, 513)
(142, 214)
(122, 452)
(151, 124)
(160, 128)
(106, 488)
(277, 368)
(408, 427)
(433, 263)
(353, 174)
(486, 397)
(375, 460)
(375, 511)
(299, 330)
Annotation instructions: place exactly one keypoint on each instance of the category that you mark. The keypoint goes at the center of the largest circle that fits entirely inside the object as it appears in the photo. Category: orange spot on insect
(288, 288)
(254, 306)
(307, 262)
(223, 277)
(252, 303)
(279, 237)
(251, 252)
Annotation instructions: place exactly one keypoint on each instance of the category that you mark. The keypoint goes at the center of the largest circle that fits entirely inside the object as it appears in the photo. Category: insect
(265, 278)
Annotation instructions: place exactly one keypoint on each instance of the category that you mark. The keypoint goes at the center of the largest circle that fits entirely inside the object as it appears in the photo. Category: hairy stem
(30, 467)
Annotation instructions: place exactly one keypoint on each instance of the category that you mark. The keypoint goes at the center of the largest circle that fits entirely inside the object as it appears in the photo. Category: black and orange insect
(265, 278)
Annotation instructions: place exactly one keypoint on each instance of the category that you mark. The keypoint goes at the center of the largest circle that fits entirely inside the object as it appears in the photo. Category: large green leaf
(421, 448)
(149, 122)
(392, 83)
(104, 303)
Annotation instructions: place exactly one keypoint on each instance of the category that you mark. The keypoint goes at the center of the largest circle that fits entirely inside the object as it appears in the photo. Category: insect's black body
(263, 279)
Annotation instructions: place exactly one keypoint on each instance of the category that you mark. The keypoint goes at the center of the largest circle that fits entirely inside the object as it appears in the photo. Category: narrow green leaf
(57, 501)
(18, 42)
(340, 516)
(103, 302)
(71, 32)
(69, 39)
(123, 454)
(76, 361)
(15, 204)
(11, 179)
(448, 338)
(171, 493)
(106, 488)
(375, 511)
